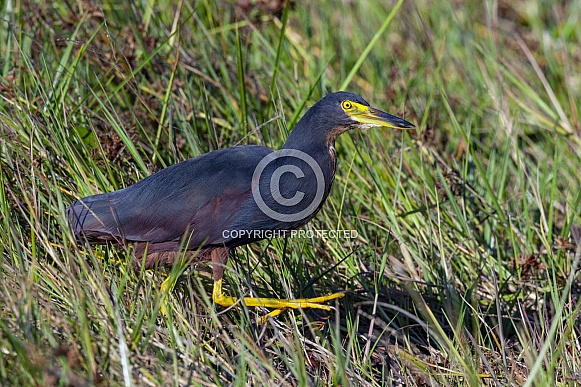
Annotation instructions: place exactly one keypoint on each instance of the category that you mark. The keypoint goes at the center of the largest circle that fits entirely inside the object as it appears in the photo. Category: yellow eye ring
(347, 105)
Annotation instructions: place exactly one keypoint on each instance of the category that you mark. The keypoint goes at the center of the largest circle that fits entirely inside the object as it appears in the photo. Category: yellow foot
(264, 319)
(280, 305)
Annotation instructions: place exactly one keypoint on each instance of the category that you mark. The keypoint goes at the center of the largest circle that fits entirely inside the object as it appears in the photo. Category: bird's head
(348, 109)
(338, 112)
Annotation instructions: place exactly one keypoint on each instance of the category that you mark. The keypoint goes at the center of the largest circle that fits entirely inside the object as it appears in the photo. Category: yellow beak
(375, 117)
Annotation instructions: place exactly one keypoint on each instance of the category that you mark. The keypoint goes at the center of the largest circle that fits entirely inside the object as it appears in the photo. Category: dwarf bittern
(220, 200)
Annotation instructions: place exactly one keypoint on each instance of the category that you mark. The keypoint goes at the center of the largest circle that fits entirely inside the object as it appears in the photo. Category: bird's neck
(315, 136)
(317, 143)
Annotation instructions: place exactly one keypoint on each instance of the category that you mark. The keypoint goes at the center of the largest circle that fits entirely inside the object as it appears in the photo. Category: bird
(210, 204)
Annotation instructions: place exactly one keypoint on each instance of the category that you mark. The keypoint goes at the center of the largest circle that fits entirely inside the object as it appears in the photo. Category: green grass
(466, 267)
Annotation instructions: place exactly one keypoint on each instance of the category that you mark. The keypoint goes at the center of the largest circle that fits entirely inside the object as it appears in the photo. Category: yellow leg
(221, 299)
(166, 287)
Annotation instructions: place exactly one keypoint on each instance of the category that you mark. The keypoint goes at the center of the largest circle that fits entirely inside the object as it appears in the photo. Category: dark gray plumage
(191, 204)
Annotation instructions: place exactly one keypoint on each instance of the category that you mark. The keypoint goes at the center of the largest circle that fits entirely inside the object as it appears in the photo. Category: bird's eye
(346, 105)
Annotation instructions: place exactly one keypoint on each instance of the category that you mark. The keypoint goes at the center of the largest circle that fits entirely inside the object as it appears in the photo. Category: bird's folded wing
(197, 198)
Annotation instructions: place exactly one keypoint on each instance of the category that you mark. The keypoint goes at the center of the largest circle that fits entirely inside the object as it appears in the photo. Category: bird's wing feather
(200, 193)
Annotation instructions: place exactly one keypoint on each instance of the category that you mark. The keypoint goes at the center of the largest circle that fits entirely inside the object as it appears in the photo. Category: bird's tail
(93, 219)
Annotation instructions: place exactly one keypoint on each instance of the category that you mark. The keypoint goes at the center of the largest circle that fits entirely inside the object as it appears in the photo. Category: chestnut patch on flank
(166, 253)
